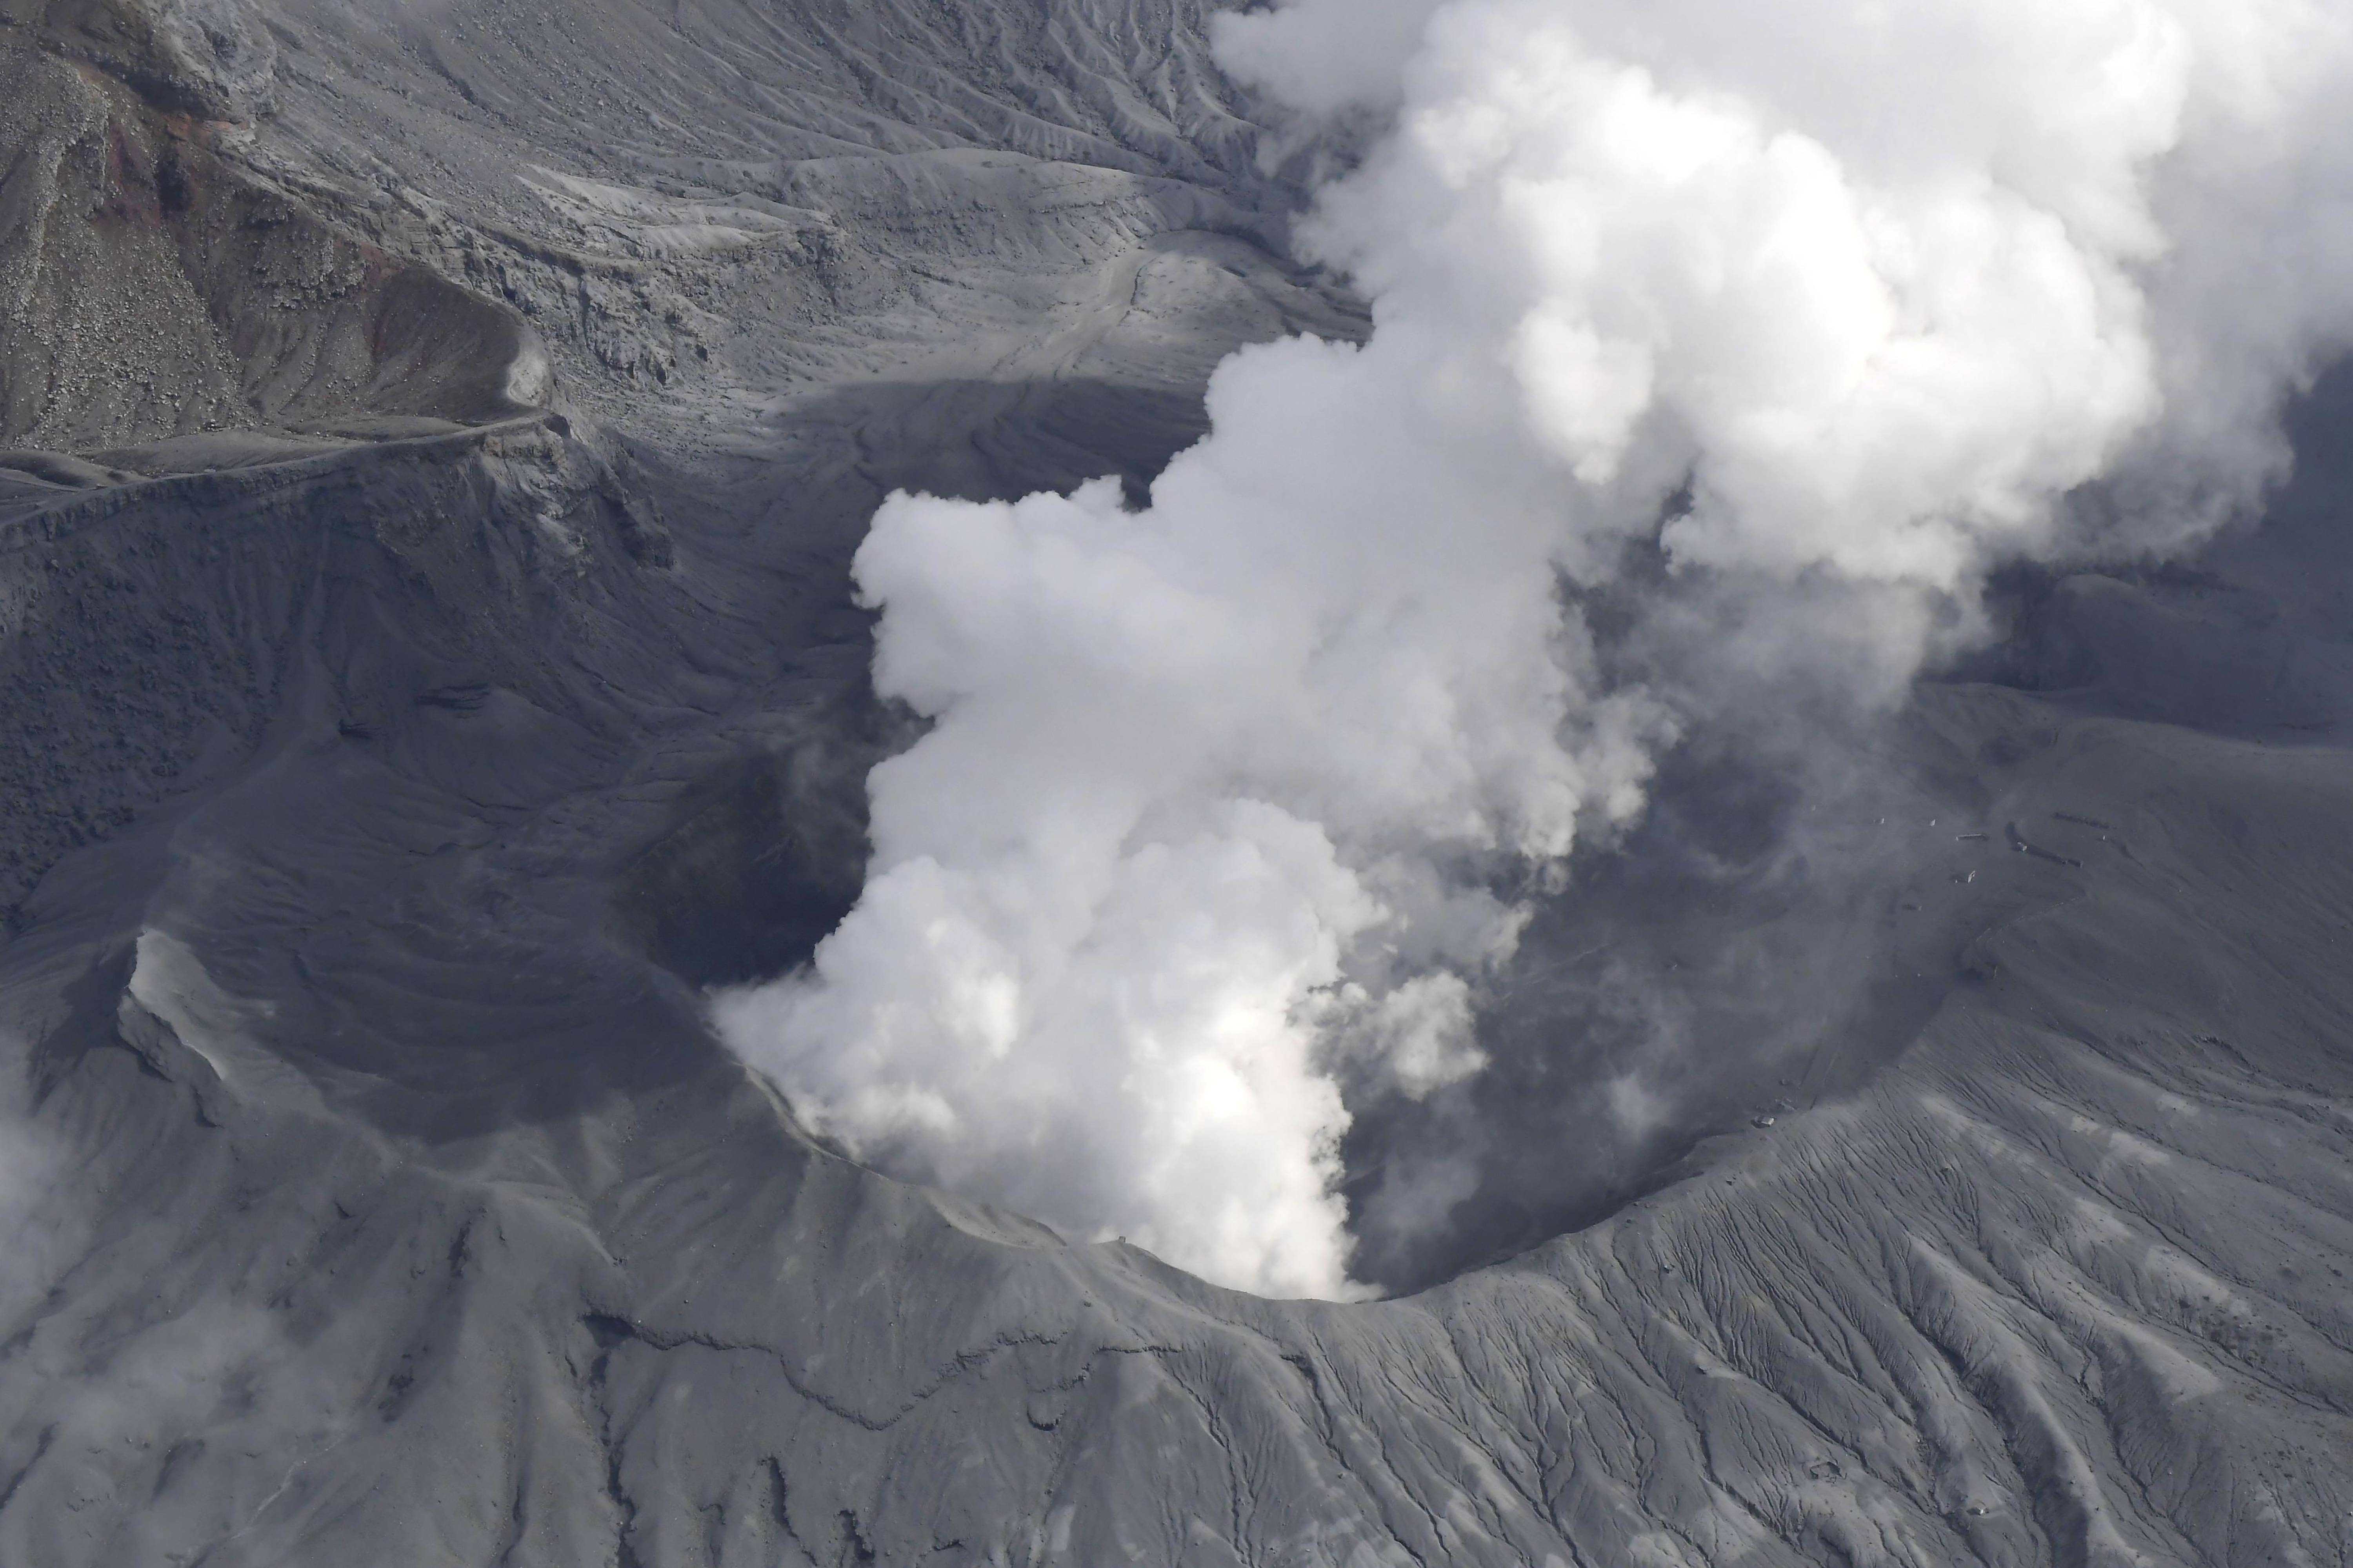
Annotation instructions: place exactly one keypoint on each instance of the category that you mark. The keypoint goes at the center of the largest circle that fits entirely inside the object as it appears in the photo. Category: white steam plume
(1215, 789)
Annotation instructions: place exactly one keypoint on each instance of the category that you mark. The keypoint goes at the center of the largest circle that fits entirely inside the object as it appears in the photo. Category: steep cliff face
(706, 209)
(151, 285)
(383, 790)
(208, 59)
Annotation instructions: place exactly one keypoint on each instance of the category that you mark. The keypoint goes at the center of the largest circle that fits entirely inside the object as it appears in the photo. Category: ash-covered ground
(437, 436)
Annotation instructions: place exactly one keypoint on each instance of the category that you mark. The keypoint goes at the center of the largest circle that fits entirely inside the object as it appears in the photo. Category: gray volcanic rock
(394, 762)
(735, 202)
(210, 60)
(150, 287)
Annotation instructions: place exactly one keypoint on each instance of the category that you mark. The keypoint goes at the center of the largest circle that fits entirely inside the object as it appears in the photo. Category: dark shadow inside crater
(761, 865)
(1793, 908)
(1762, 941)
(1798, 902)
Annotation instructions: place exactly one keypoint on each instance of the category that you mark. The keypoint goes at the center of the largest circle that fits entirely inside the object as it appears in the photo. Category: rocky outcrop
(150, 286)
(208, 59)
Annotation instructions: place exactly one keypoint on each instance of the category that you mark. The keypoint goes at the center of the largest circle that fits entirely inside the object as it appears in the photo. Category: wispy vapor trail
(1219, 793)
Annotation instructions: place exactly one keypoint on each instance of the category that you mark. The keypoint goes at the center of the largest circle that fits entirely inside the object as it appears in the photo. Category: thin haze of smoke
(1217, 792)
(179, 1407)
(146, 1379)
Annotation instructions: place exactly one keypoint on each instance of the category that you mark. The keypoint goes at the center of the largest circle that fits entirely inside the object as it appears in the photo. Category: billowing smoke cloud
(1232, 802)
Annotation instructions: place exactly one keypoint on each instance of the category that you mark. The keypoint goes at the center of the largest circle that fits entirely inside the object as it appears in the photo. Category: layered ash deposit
(436, 439)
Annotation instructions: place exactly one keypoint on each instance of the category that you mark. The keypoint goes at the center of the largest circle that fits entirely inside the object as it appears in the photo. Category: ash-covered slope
(734, 202)
(377, 806)
(150, 287)
(412, 1217)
